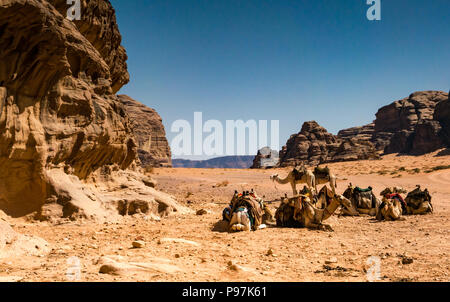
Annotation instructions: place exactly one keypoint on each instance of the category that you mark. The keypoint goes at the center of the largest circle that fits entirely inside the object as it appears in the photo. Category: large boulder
(266, 158)
(60, 123)
(148, 129)
(396, 123)
(413, 125)
(314, 145)
(442, 114)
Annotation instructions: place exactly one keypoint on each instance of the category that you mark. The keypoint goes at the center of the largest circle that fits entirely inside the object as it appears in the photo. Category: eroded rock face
(57, 107)
(148, 129)
(442, 115)
(266, 158)
(314, 145)
(395, 123)
(98, 24)
(413, 125)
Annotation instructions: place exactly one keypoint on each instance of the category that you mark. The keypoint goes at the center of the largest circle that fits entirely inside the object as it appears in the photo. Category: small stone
(138, 244)
(331, 260)
(407, 260)
(232, 266)
(177, 256)
(202, 212)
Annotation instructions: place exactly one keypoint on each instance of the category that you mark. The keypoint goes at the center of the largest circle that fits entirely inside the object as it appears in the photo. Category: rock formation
(13, 244)
(313, 145)
(153, 148)
(266, 158)
(410, 125)
(66, 141)
(442, 115)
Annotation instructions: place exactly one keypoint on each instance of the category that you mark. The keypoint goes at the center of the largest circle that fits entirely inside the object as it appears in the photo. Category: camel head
(346, 203)
(273, 177)
(386, 191)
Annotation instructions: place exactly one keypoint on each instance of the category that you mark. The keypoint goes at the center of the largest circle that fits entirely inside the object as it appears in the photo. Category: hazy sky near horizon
(291, 61)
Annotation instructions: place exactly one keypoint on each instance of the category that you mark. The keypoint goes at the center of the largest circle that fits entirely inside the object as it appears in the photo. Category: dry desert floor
(194, 247)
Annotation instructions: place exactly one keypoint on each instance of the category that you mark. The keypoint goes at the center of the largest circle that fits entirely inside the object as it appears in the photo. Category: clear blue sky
(289, 60)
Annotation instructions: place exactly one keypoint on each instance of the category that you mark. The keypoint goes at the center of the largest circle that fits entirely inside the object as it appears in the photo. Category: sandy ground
(297, 254)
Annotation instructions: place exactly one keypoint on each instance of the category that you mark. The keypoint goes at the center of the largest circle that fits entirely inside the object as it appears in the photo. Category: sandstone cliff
(148, 129)
(314, 145)
(61, 126)
(411, 125)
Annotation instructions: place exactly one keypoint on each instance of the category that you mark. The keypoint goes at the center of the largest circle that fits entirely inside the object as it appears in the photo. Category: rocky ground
(193, 247)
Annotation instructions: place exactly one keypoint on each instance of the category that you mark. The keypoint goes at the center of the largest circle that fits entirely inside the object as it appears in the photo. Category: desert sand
(191, 247)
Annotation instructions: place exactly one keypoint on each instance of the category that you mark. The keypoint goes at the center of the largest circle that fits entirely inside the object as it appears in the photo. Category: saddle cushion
(322, 172)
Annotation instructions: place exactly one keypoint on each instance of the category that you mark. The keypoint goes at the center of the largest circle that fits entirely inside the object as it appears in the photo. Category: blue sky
(287, 60)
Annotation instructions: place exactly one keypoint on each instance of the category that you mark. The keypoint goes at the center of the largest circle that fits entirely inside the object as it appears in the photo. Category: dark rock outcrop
(396, 123)
(442, 115)
(364, 132)
(148, 129)
(266, 158)
(413, 125)
(313, 145)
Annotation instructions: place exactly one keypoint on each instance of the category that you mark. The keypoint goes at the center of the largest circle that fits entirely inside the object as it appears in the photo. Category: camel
(363, 201)
(298, 211)
(323, 176)
(324, 198)
(418, 202)
(246, 212)
(390, 209)
(297, 176)
(304, 176)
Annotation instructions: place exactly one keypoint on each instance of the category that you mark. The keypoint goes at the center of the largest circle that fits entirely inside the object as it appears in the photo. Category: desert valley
(89, 190)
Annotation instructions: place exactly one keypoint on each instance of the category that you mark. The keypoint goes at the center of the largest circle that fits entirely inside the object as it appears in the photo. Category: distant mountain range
(229, 162)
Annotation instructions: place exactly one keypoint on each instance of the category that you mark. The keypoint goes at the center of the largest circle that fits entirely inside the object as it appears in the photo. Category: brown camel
(299, 175)
(298, 211)
(390, 209)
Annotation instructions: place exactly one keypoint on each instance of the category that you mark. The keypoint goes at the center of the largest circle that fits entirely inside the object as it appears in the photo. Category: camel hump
(322, 172)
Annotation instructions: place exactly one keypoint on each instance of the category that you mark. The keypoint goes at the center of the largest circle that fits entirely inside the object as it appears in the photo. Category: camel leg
(333, 184)
(294, 188)
(424, 208)
(347, 212)
(320, 226)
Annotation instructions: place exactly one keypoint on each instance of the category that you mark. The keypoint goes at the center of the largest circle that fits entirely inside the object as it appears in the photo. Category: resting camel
(390, 209)
(418, 202)
(298, 211)
(297, 176)
(363, 201)
(324, 198)
(246, 212)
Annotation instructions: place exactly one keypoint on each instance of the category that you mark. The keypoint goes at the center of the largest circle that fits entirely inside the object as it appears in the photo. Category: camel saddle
(358, 189)
(416, 197)
(298, 173)
(321, 172)
(360, 197)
